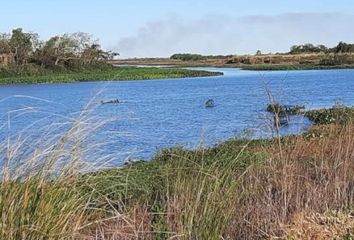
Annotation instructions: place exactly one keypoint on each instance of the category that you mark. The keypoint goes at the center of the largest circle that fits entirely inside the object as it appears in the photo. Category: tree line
(25, 50)
(196, 57)
(342, 47)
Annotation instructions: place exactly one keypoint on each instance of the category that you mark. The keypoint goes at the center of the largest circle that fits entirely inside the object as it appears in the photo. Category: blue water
(155, 114)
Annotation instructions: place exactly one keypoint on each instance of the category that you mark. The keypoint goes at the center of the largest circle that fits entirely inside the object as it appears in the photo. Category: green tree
(22, 45)
(94, 53)
(343, 47)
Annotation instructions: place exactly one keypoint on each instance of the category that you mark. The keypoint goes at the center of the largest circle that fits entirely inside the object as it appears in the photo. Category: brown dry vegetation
(310, 176)
(303, 191)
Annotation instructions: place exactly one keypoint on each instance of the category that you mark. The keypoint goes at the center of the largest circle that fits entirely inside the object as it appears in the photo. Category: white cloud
(216, 34)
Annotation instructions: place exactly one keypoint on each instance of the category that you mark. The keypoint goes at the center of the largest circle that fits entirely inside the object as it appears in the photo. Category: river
(155, 114)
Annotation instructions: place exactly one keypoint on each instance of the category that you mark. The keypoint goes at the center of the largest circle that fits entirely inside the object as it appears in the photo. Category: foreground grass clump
(39, 197)
(37, 209)
(179, 193)
(114, 73)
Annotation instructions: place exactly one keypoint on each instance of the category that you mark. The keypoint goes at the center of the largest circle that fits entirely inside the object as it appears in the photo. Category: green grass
(202, 181)
(118, 73)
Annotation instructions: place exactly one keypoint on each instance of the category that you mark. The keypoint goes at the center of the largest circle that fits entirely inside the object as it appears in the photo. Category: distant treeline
(23, 53)
(342, 47)
(196, 57)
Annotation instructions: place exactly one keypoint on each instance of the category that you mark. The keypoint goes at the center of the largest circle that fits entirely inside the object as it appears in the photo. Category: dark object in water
(285, 109)
(284, 122)
(209, 103)
(281, 120)
(129, 161)
(282, 113)
(110, 101)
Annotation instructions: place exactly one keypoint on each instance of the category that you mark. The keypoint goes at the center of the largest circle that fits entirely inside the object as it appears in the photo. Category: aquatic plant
(336, 114)
(114, 74)
(285, 109)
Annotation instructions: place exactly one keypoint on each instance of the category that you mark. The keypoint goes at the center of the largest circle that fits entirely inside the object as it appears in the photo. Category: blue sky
(161, 27)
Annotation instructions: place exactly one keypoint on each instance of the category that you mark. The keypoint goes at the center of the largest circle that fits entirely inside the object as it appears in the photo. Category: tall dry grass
(310, 175)
(249, 190)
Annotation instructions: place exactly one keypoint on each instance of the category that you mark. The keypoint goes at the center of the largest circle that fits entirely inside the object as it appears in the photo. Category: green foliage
(283, 109)
(5, 43)
(188, 57)
(307, 48)
(59, 52)
(336, 114)
(343, 47)
(197, 57)
(22, 45)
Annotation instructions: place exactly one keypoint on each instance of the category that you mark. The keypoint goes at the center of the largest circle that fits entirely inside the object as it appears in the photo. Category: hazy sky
(163, 27)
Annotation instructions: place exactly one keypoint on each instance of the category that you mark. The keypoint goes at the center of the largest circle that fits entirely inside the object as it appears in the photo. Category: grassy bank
(297, 187)
(118, 73)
